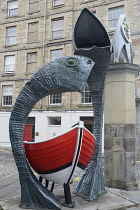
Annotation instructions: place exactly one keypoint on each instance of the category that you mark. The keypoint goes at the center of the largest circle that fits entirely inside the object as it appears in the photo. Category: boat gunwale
(76, 126)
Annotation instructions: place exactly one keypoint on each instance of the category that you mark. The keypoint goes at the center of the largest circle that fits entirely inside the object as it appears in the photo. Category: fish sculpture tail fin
(35, 195)
(91, 187)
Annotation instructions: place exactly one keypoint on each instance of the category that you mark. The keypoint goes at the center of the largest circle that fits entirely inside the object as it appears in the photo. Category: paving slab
(130, 195)
(113, 199)
(5, 182)
(108, 201)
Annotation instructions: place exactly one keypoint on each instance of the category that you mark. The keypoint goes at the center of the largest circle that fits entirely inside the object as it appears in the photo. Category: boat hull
(64, 157)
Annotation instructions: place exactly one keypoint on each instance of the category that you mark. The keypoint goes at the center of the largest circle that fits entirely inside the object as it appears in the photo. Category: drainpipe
(72, 22)
(44, 34)
(44, 38)
(72, 49)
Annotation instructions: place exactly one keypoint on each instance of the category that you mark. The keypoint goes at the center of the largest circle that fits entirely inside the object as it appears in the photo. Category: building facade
(34, 32)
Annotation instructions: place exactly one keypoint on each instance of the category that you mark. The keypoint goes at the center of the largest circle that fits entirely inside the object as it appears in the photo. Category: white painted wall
(46, 131)
(4, 129)
(68, 119)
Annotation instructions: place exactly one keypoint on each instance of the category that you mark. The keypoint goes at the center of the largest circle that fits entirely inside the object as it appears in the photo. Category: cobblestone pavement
(7, 163)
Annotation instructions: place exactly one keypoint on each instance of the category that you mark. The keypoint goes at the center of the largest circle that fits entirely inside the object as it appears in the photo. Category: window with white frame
(7, 95)
(33, 31)
(113, 16)
(31, 62)
(54, 120)
(12, 8)
(58, 2)
(56, 54)
(86, 95)
(33, 5)
(11, 35)
(9, 64)
(57, 28)
(55, 98)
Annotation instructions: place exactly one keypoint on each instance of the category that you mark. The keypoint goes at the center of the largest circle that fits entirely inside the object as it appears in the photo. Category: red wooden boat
(64, 157)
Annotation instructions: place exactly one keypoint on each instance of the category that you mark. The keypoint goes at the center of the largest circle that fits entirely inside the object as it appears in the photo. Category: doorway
(29, 130)
(88, 123)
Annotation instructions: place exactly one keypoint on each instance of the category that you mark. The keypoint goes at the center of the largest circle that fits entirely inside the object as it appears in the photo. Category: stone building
(34, 32)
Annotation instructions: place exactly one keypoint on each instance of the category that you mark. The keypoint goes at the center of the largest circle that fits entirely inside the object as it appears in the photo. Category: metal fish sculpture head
(89, 32)
(68, 73)
(91, 39)
(65, 74)
(71, 72)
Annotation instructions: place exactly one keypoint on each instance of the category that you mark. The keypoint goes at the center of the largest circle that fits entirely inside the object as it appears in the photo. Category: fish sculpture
(91, 40)
(68, 73)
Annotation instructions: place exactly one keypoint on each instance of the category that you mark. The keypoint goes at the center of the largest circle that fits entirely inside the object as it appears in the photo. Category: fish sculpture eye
(89, 61)
(71, 62)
